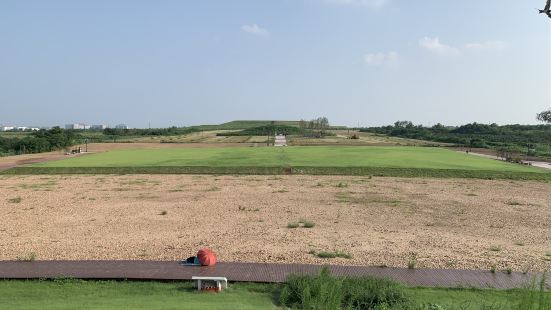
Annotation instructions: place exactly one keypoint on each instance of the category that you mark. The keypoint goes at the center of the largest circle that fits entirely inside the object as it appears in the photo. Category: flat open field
(446, 223)
(320, 160)
(320, 156)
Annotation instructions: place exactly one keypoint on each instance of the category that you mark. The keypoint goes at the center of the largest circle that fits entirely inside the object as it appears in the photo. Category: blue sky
(367, 62)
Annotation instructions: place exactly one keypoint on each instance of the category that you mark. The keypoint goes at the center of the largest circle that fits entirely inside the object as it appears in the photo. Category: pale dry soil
(456, 223)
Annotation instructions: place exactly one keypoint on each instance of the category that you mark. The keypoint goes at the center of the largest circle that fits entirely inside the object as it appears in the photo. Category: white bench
(221, 282)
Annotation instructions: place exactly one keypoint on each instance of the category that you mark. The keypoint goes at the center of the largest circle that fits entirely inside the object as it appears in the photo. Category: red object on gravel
(206, 257)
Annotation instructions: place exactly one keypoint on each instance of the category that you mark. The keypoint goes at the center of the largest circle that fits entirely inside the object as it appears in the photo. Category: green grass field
(77, 294)
(384, 161)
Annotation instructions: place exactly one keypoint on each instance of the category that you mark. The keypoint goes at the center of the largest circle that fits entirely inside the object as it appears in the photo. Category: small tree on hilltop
(545, 116)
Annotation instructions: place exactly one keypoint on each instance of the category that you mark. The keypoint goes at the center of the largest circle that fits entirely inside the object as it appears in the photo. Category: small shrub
(336, 254)
(293, 225)
(519, 243)
(493, 269)
(15, 200)
(509, 270)
(495, 248)
(31, 257)
(514, 203)
(412, 263)
(342, 185)
(324, 291)
(306, 223)
(163, 213)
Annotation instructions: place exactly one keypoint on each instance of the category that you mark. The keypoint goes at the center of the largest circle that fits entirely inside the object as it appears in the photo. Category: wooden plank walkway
(255, 272)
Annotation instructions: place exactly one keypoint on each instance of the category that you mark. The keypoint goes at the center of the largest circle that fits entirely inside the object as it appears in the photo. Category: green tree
(545, 116)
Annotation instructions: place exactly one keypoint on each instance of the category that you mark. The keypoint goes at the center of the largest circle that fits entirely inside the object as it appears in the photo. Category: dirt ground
(466, 224)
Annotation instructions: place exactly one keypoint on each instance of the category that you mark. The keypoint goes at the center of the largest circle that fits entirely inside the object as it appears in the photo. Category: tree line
(38, 142)
(527, 139)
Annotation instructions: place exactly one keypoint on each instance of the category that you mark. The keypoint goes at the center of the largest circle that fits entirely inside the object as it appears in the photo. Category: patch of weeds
(307, 224)
(163, 213)
(140, 182)
(493, 269)
(495, 248)
(471, 195)
(519, 243)
(91, 198)
(175, 190)
(343, 197)
(293, 225)
(15, 200)
(336, 254)
(242, 208)
(31, 257)
(281, 191)
(513, 203)
(341, 185)
(213, 189)
(509, 270)
(46, 186)
(121, 189)
(301, 223)
(319, 184)
(412, 262)
(451, 263)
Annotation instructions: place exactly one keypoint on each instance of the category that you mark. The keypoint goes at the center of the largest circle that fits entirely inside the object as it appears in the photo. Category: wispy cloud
(488, 46)
(255, 30)
(434, 45)
(381, 59)
(367, 3)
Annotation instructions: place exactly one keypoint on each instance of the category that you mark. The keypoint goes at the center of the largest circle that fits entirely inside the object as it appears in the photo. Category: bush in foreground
(324, 291)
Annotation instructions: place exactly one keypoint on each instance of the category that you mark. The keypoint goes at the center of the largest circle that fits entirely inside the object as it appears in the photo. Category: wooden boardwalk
(255, 272)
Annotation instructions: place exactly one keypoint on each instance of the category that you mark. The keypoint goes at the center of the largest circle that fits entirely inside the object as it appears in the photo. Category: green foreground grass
(78, 294)
(377, 161)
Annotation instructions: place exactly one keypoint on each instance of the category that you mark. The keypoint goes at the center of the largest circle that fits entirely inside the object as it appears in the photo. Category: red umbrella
(206, 257)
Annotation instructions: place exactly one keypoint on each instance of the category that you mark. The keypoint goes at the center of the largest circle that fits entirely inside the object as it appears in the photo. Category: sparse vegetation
(495, 248)
(324, 291)
(336, 254)
(412, 262)
(15, 200)
(30, 257)
(163, 213)
(293, 225)
(341, 185)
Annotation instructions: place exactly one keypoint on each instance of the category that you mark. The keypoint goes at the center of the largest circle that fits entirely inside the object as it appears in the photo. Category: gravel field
(452, 223)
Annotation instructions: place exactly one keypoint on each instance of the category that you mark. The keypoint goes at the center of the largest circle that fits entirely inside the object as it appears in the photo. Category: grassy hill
(241, 124)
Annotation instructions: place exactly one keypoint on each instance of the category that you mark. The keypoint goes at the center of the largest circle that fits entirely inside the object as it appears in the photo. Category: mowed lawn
(318, 156)
(78, 294)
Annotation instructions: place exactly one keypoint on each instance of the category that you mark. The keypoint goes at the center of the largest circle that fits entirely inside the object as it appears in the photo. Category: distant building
(121, 126)
(35, 128)
(6, 128)
(22, 128)
(77, 126)
(280, 140)
(98, 127)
